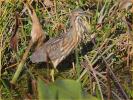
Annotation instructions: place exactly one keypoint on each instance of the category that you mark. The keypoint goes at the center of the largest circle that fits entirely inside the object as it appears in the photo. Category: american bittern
(58, 48)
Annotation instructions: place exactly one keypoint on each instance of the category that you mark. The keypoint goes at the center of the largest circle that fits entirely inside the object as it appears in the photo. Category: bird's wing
(56, 49)
(59, 48)
(50, 48)
(39, 55)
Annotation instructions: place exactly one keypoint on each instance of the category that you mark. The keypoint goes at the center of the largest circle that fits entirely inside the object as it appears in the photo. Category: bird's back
(56, 49)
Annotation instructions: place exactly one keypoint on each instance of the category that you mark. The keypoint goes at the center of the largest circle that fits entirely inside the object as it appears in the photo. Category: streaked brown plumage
(56, 49)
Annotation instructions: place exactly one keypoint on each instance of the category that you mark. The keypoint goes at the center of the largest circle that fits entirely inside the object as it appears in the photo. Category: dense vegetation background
(101, 65)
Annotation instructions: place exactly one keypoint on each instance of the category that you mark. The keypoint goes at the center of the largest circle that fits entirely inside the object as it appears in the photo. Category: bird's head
(80, 22)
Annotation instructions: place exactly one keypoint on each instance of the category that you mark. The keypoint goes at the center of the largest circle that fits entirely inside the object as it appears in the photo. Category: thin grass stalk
(94, 73)
(21, 64)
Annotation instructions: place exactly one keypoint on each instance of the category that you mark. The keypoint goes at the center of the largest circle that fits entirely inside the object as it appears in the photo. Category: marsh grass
(112, 44)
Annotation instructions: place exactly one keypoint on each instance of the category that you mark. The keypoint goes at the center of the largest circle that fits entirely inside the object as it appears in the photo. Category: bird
(58, 48)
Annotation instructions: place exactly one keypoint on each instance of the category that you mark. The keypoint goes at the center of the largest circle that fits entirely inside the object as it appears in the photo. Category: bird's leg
(52, 74)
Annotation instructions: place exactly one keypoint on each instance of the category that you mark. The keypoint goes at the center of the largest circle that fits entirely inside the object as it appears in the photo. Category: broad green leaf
(68, 89)
(46, 92)
(89, 97)
(62, 90)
